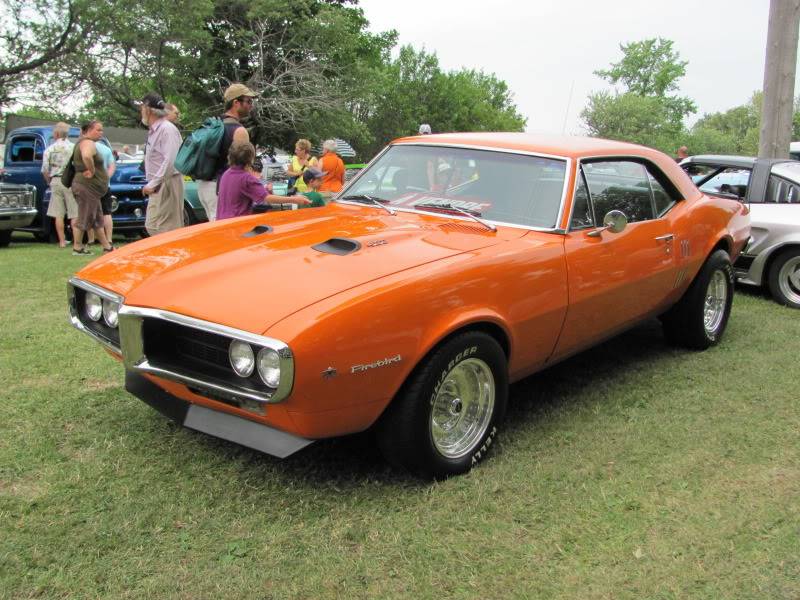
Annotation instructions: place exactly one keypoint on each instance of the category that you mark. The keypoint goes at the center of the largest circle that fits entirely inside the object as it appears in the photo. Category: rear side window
(25, 148)
(730, 183)
(782, 191)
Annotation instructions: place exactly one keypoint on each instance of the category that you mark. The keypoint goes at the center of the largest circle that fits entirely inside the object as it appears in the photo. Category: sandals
(81, 252)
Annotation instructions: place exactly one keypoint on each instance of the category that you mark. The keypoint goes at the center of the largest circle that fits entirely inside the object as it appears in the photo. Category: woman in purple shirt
(239, 188)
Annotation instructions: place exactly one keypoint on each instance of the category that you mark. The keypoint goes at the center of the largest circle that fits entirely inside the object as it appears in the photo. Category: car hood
(230, 273)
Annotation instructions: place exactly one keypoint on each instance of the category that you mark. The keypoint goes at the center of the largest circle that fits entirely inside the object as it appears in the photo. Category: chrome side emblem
(384, 362)
(329, 373)
(374, 243)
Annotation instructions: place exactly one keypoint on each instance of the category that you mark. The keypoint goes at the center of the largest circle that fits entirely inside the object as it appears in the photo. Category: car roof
(45, 130)
(745, 162)
(557, 145)
(790, 169)
(566, 146)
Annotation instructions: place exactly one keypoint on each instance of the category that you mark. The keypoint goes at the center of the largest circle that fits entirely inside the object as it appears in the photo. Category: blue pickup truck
(23, 165)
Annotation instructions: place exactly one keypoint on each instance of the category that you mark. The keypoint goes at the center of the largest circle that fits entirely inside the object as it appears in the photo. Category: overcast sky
(542, 48)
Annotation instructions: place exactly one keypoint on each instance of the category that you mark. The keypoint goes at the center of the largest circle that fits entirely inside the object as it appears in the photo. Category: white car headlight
(94, 306)
(269, 367)
(110, 313)
(242, 358)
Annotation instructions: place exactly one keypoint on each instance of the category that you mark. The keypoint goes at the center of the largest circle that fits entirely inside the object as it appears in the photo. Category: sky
(546, 50)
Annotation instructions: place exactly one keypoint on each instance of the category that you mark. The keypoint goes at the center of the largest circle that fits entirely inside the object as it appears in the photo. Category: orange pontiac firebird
(449, 267)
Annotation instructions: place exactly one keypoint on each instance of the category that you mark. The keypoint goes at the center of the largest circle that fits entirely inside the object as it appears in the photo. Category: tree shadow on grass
(349, 462)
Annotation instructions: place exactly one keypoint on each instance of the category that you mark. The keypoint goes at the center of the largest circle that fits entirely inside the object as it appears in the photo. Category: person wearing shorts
(62, 202)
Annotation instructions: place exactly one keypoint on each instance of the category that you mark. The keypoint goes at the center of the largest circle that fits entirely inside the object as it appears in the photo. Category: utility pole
(779, 70)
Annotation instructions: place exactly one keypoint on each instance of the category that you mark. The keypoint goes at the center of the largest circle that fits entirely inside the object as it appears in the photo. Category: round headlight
(269, 367)
(110, 313)
(94, 306)
(242, 358)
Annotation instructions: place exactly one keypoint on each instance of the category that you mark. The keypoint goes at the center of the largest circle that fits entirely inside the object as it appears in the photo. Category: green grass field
(633, 470)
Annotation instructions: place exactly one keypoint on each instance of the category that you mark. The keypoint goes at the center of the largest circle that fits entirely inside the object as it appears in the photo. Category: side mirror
(614, 221)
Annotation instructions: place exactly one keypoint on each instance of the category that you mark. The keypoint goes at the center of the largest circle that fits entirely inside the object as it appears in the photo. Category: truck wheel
(784, 278)
(446, 416)
(699, 318)
(5, 238)
(188, 215)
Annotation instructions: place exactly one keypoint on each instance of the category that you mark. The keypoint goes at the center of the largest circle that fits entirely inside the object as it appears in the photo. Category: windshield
(497, 186)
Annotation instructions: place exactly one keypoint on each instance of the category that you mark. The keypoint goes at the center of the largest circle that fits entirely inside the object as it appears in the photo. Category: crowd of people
(233, 191)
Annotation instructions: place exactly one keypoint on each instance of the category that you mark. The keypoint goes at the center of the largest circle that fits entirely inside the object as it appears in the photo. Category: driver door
(616, 279)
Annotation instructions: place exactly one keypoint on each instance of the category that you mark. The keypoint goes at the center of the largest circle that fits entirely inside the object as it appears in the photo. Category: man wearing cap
(238, 106)
(164, 184)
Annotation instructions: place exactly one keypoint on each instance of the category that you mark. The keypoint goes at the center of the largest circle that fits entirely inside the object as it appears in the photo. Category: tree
(413, 89)
(35, 34)
(643, 111)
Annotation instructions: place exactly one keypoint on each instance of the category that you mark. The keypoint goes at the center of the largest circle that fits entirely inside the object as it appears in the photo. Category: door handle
(667, 237)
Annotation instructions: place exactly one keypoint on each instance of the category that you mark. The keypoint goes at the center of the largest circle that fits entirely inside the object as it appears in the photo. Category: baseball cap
(312, 173)
(424, 129)
(237, 90)
(151, 100)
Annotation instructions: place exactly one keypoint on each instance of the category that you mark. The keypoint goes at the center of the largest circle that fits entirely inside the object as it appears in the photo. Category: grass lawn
(633, 470)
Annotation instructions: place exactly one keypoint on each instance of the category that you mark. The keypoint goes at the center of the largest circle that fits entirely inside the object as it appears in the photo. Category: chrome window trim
(559, 217)
(73, 283)
(131, 320)
(612, 157)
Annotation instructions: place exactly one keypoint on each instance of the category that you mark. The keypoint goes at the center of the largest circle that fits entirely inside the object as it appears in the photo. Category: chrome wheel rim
(716, 300)
(789, 280)
(462, 408)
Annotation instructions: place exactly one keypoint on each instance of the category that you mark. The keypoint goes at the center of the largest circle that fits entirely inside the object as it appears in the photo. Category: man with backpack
(238, 105)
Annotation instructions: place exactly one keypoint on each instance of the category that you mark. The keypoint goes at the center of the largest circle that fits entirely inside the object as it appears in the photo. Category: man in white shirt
(62, 202)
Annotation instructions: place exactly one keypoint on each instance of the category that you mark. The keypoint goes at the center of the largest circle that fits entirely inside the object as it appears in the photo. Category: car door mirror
(614, 221)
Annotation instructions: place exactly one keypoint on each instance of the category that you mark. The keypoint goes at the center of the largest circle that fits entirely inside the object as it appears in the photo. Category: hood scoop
(258, 230)
(339, 246)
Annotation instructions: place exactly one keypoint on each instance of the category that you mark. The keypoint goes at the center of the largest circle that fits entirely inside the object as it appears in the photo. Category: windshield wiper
(371, 200)
(474, 215)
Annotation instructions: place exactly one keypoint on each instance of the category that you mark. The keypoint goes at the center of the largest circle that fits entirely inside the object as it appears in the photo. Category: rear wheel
(446, 416)
(699, 319)
(784, 278)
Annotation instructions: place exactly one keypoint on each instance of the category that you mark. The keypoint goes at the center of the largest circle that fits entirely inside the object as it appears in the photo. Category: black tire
(685, 323)
(408, 434)
(784, 278)
(5, 237)
(188, 215)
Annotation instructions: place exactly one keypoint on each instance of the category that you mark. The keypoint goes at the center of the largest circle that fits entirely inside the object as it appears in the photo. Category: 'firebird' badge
(384, 362)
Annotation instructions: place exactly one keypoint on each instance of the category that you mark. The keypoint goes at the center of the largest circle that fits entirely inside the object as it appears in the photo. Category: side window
(730, 182)
(781, 191)
(26, 148)
(620, 185)
(581, 210)
(660, 196)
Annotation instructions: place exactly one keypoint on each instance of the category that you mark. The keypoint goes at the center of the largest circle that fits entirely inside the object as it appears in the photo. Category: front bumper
(14, 219)
(218, 424)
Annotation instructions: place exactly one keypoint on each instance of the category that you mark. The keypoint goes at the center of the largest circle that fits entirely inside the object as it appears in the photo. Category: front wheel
(784, 278)
(446, 416)
(699, 318)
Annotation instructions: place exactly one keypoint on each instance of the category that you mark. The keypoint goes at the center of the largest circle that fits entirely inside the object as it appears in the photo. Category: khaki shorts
(62, 202)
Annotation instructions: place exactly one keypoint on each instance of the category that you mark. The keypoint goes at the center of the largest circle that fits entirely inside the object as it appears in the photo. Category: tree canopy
(317, 68)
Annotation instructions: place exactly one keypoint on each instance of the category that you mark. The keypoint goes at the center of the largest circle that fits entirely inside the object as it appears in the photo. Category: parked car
(771, 188)
(24, 149)
(193, 210)
(17, 209)
(408, 305)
